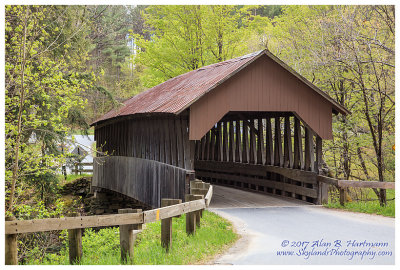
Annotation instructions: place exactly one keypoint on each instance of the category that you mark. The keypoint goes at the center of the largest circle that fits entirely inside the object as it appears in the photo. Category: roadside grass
(72, 177)
(370, 206)
(214, 236)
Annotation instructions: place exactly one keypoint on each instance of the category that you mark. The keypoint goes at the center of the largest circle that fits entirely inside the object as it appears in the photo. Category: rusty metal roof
(177, 94)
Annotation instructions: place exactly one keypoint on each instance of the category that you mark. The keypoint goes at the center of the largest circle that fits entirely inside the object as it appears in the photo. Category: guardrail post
(342, 196)
(196, 183)
(75, 243)
(198, 213)
(200, 191)
(190, 176)
(166, 224)
(127, 236)
(11, 249)
(190, 217)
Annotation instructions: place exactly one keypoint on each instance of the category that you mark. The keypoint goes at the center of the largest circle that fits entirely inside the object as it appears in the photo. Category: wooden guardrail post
(200, 191)
(195, 183)
(342, 196)
(190, 217)
(11, 249)
(198, 213)
(127, 236)
(75, 243)
(190, 176)
(166, 224)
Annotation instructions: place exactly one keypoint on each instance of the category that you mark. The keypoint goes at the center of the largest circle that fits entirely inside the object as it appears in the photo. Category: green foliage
(33, 246)
(111, 58)
(39, 210)
(102, 247)
(185, 38)
(46, 185)
(43, 87)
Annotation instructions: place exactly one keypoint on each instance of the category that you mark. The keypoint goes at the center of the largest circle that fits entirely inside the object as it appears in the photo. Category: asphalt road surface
(283, 232)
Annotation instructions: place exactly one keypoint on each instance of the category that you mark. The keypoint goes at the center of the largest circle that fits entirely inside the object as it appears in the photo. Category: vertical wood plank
(261, 144)
(225, 142)
(318, 154)
(220, 143)
(147, 139)
(245, 153)
(207, 148)
(162, 141)
(180, 143)
(156, 139)
(173, 138)
(188, 149)
(322, 187)
(309, 150)
(191, 154)
(136, 139)
(253, 150)
(198, 150)
(167, 142)
(298, 162)
(203, 147)
(269, 144)
(288, 156)
(231, 142)
(212, 142)
(238, 153)
(132, 136)
(278, 143)
(141, 140)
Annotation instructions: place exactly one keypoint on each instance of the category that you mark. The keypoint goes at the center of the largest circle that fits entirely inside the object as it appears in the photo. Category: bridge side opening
(267, 152)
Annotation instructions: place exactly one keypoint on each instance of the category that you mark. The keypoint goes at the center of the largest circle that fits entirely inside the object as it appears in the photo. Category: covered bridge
(251, 122)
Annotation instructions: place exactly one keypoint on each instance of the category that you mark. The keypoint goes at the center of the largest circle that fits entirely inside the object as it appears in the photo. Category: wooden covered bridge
(251, 123)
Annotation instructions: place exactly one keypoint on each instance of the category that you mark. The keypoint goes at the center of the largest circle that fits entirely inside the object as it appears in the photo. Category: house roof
(177, 94)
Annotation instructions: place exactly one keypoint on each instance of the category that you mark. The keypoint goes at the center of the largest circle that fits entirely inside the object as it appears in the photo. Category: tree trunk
(364, 167)
(19, 119)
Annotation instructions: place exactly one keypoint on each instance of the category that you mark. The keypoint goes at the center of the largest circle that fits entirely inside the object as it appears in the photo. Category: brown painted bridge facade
(250, 122)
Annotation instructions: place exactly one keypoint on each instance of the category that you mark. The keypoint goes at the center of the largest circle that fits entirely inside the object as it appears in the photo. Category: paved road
(225, 197)
(335, 237)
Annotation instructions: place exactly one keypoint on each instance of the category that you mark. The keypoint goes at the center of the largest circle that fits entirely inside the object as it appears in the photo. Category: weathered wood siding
(145, 180)
(163, 139)
(263, 86)
(144, 158)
